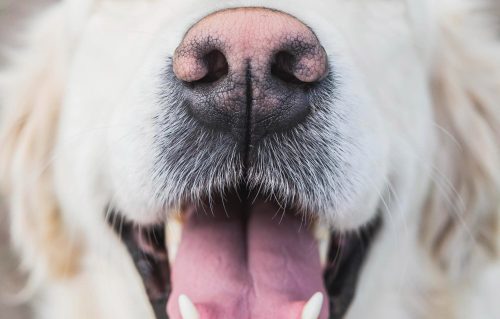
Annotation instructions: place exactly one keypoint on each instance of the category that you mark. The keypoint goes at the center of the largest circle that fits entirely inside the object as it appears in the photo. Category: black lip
(346, 257)
(152, 264)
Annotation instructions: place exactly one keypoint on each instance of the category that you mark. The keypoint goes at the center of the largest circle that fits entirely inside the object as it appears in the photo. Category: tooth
(312, 309)
(187, 308)
(322, 235)
(173, 235)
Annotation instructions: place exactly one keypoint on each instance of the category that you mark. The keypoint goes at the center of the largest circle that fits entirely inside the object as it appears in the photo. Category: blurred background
(14, 15)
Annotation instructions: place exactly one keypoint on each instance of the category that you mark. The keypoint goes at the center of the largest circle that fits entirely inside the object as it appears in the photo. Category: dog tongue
(258, 265)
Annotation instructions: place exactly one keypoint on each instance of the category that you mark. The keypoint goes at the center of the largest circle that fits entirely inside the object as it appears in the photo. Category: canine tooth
(187, 308)
(322, 235)
(173, 235)
(312, 309)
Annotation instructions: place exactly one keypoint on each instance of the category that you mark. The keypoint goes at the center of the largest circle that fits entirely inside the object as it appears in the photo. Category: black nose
(247, 71)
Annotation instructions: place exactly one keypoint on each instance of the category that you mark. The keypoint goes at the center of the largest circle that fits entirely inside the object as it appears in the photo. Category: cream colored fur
(437, 255)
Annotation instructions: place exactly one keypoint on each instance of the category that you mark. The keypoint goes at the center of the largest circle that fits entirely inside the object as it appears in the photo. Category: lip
(151, 264)
(148, 250)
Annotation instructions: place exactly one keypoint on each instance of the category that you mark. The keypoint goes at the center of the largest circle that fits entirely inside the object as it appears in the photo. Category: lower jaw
(222, 257)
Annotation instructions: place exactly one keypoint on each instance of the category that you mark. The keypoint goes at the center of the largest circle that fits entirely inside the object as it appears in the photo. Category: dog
(256, 159)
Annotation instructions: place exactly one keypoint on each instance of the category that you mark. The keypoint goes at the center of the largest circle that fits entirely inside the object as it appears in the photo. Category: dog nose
(248, 71)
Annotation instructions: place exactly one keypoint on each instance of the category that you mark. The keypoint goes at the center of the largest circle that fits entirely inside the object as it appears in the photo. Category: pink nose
(249, 63)
(226, 40)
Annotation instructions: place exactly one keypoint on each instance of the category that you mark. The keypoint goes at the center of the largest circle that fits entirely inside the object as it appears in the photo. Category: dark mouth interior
(147, 247)
(152, 264)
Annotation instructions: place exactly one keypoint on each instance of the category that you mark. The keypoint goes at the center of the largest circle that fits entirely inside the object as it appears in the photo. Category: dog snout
(249, 70)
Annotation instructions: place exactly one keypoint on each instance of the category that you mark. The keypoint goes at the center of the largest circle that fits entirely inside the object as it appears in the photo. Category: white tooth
(187, 308)
(322, 235)
(173, 235)
(312, 309)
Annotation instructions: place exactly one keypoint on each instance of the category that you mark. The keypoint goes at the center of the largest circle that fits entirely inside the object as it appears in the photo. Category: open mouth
(242, 256)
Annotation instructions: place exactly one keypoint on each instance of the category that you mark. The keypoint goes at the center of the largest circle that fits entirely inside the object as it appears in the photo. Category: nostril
(217, 67)
(282, 67)
(300, 62)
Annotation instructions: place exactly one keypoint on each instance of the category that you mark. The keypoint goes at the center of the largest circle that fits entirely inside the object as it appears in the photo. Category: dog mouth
(241, 256)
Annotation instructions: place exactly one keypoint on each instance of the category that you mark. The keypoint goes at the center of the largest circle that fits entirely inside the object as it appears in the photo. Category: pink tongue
(265, 267)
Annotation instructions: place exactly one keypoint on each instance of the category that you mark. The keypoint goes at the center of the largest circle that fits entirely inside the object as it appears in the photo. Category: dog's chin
(238, 253)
